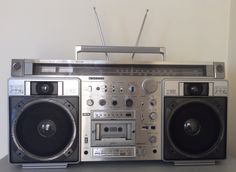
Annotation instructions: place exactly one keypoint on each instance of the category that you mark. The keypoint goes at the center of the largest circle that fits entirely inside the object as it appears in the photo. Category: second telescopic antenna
(100, 30)
(140, 32)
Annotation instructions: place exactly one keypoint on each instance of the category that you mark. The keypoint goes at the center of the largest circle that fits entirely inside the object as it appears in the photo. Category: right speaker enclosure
(195, 128)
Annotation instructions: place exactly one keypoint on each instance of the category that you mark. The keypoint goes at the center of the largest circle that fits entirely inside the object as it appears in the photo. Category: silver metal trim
(60, 88)
(60, 61)
(112, 157)
(194, 163)
(44, 165)
(119, 49)
(208, 65)
(27, 88)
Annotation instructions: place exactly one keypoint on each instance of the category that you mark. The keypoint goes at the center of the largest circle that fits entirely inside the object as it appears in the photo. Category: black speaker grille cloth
(29, 137)
(208, 135)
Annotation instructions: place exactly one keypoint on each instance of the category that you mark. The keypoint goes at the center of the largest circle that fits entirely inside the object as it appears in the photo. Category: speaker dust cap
(44, 129)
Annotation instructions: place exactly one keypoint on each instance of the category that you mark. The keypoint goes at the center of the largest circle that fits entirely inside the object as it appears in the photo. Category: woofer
(194, 128)
(44, 129)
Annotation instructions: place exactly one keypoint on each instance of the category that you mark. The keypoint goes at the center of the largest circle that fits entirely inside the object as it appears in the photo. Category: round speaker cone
(44, 128)
(194, 128)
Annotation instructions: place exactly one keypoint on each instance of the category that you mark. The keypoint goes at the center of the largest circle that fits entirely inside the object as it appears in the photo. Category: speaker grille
(44, 128)
(194, 128)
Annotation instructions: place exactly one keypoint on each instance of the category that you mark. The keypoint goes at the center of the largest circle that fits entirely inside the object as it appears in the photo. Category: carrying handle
(119, 49)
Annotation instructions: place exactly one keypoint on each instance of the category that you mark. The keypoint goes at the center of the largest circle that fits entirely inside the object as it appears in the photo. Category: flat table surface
(228, 165)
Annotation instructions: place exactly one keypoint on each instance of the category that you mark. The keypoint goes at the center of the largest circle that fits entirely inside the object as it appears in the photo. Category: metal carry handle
(119, 49)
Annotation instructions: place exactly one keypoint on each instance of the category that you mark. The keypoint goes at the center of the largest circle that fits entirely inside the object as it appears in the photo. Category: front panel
(125, 108)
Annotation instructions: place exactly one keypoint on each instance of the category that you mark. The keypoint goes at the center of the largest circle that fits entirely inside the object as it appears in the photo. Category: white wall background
(195, 30)
(232, 78)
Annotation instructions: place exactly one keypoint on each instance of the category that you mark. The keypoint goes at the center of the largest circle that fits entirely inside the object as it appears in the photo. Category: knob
(153, 115)
(90, 102)
(129, 102)
(153, 139)
(102, 102)
(149, 86)
(114, 102)
(220, 68)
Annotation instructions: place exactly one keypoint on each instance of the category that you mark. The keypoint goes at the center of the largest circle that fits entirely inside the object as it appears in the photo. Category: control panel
(121, 118)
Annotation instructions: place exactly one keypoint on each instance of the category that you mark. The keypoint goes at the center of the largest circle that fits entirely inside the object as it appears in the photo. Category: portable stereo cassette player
(69, 111)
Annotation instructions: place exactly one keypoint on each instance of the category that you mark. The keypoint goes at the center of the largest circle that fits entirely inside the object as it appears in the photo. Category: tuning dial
(153, 139)
(149, 86)
(153, 115)
(129, 102)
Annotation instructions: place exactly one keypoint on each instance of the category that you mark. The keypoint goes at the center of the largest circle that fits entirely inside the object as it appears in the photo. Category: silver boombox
(69, 111)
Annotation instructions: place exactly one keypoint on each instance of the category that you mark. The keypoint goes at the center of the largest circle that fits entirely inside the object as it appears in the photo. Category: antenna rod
(140, 32)
(100, 30)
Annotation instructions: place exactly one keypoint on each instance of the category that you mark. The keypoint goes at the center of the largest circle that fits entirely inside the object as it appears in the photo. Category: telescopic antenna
(140, 32)
(100, 30)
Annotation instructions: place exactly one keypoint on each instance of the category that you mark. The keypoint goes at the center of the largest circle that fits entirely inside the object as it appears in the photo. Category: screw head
(16, 66)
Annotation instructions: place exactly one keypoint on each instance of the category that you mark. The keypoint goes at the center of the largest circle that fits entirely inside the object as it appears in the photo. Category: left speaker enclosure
(65, 99)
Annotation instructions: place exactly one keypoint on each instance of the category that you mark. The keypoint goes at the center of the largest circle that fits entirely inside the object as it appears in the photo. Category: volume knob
(149, 86)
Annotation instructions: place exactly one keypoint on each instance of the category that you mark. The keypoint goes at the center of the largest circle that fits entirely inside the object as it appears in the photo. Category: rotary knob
(114, 102)
(129, 102)
(102, 102)
(149, 86)
(153, 115)
(90, 102)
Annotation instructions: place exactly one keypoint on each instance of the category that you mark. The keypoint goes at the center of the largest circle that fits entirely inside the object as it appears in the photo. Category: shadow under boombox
(65, 112)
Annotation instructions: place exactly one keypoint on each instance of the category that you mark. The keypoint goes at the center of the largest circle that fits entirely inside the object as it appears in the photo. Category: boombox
(69, 111)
